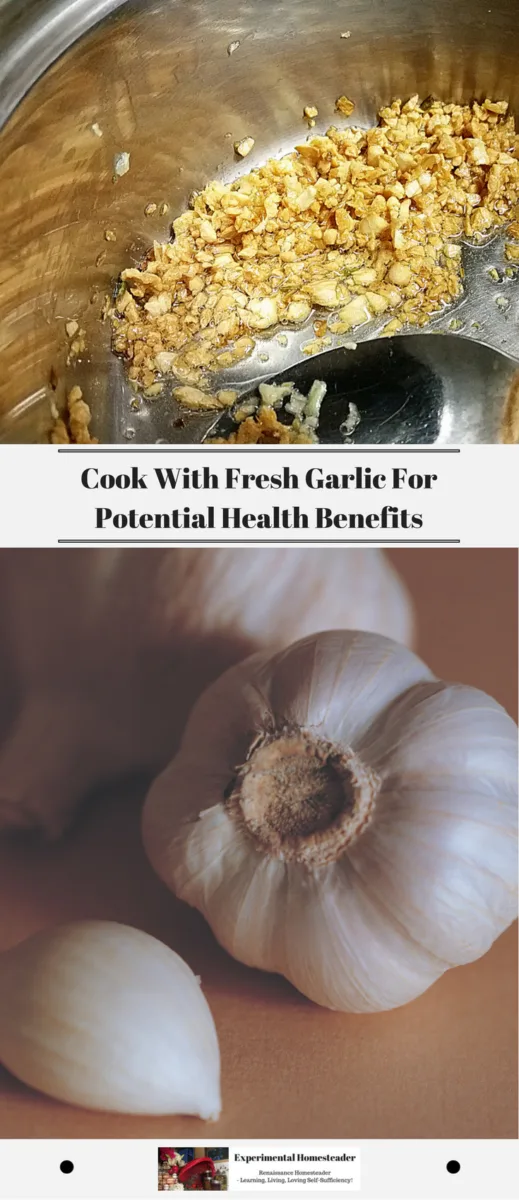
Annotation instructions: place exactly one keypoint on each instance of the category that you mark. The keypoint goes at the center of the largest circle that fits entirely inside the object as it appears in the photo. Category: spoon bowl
(416, 390)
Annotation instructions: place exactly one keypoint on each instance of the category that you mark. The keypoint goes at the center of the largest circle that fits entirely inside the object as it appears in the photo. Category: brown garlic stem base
(301, 798)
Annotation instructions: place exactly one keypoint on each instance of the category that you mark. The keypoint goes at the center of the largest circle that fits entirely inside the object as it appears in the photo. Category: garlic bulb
(344, 818)
(105, 1016)
(111, 648)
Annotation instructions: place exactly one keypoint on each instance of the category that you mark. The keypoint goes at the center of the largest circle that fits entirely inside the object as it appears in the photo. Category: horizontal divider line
(260, 542)
(180, 449)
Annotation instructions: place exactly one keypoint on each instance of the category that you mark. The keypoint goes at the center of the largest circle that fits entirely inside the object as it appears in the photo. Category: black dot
(453, 1166)
(66, 1166)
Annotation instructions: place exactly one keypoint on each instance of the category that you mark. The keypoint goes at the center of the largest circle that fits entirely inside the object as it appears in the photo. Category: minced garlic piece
(73, 425)
(264, 428)
(226, 397)
(344, 106)
(244, 147)
(350, 225)
(194, 398)
(258, 422)
(121, 164)
(400, 274)
(77, 340)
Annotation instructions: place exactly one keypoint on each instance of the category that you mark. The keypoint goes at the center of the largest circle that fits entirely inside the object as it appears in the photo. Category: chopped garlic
(344, 106)
(74, 424)
(298, 311)
(164, 361)
(372, 225)
(315, 398)
(296, 404)
(324, 293)
(121, 163)
(96, 129)
(359, 217)
(412, 188)
(400, 274)
(306, 198)
(244, 147)
(451, 251)
(365, 276)
(378, 304)
(158, 305)
(391, 328)
(354, 313)
(208, 232)
(193, 397)
(258, 423)
(226, 397)
(498, 106)
(352, 420)
(273, 394)
(261, 314)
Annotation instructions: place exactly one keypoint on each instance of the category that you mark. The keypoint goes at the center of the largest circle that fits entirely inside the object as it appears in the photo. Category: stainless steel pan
(157, 78)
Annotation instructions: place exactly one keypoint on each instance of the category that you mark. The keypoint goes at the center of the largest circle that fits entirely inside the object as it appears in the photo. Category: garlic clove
(461, 819)
(313, 683)
(104, 1016)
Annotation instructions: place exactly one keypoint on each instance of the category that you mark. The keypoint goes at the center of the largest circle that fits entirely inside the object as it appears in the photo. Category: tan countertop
(441, 1067)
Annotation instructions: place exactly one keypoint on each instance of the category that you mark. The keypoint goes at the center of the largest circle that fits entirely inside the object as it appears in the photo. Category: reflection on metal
(437, 391)
(33, 33)
(157, 79)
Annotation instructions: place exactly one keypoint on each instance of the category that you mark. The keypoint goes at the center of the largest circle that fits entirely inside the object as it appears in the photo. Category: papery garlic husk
(104, 1016)
(111, 648)
(344, 818)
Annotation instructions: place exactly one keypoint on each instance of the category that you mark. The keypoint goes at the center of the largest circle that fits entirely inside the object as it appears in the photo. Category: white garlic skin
(109, 649)
(104, 1016)
(430, 881)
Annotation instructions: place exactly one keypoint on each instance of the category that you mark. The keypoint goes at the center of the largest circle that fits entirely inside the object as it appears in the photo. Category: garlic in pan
(104, 1016)
(111, 648)
(344, 818)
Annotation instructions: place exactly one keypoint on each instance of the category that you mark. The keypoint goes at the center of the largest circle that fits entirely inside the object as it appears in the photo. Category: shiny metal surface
(157, 78)
(33, 33)
(438, 391)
